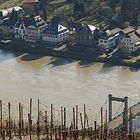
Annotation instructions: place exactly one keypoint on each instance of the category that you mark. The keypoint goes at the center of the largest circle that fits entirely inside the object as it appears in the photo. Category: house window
(101, 41)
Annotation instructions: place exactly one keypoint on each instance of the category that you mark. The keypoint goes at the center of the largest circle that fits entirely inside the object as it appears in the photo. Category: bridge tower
(125, 113)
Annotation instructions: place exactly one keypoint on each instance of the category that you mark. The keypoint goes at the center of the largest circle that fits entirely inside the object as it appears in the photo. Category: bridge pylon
(125, 113)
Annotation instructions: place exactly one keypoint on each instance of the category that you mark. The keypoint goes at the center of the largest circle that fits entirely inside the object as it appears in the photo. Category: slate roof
(28, 21)
(106, 34)
(110, 33)
(135, 38)
(8, 23)
(89, 28)
(55, 27)
(116, 30)
(75, 26)
(128, 30)
(138, 32)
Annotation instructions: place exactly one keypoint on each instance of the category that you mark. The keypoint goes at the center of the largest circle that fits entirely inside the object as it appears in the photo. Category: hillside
(59, 7)
(91, 15)
(104, 14)
(9, 3)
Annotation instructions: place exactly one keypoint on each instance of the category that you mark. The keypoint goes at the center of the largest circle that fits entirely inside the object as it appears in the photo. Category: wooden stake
(31, 107)
(30, 126)
(64, 117)
(105, 127)
(130, 122)
(73, 118)
(3, 135)
(87, 121)
(20, 137)
(101, 123)
(30, 119)
(38, 123)
(61, 117)
(51, 115)
(14, 127)
(46, 123)
(9, 119)
(84, 115)
(22, 120)
(77, 117)
(81, 120)
(51, 122)
(95, 129)
(1, 114)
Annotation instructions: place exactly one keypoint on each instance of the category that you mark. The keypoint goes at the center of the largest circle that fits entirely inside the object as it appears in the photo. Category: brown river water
(64, 82)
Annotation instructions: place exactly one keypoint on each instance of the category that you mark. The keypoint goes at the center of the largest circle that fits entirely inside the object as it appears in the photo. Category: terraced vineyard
(9, 3)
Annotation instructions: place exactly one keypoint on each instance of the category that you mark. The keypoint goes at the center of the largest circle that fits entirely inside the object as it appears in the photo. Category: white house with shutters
(110, 38)
(126, 40)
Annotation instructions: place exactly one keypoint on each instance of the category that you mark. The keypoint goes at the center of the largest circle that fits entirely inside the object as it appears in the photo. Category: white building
(31, 27)
(7, 26)
(6, 12)
(128, 43)
(55, 32)
(130, 40)
(109, 38)
(126, 40)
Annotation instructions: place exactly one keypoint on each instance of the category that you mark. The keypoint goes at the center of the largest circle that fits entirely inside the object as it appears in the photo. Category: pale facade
(20, 31)
(128, 45)
(32, 28)
(109, 39)
(107, 43)
(61, 34)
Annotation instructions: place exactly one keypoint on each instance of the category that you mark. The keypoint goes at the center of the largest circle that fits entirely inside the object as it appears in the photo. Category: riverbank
(77, 53)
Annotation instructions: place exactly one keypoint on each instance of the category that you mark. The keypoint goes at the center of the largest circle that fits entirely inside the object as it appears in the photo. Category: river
(64, 82)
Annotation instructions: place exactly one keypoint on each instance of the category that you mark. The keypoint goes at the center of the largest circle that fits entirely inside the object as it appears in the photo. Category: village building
(55, 32)
(87, 35)
(5, 13)
(125, 40)
(110, 38)
(30, 28)
(7, 26)
(130, 41)
(31, 7)
(138, 32)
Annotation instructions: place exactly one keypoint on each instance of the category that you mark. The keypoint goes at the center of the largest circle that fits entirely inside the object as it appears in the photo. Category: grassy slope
(9, 3)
